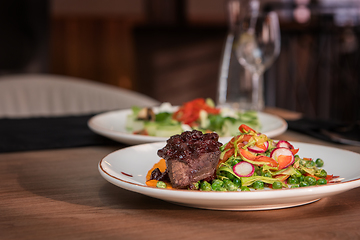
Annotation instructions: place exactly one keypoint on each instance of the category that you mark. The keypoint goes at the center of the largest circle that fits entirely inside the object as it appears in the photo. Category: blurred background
(171, 49)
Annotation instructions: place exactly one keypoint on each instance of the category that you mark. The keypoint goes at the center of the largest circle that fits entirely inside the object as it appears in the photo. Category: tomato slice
(269, 161)
(245, 129)
(246, 154)
(189, 112)
(284, 161)
(294, 151)
(228, 154)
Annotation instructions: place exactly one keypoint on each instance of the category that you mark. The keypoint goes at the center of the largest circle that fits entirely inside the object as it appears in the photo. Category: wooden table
(59, 194)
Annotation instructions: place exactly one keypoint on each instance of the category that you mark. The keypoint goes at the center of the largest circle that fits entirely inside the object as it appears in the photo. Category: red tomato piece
(245, 129)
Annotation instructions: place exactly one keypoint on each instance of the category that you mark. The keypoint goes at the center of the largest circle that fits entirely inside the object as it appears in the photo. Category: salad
(252, 161)
(200, 114)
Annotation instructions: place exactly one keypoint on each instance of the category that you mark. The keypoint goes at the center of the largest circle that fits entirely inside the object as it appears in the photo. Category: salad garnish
(252, 161)
(199, 114)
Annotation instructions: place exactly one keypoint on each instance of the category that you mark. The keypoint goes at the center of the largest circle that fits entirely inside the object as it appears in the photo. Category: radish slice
(259, 149)
(244, 169)
(283, 156)
(285, 144)
(280, 151)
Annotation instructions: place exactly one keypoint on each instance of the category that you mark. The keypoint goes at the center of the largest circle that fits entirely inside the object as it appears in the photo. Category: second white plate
(112, 125)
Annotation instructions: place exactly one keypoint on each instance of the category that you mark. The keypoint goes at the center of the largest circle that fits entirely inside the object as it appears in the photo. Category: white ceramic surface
(112, 125)
(137, 160)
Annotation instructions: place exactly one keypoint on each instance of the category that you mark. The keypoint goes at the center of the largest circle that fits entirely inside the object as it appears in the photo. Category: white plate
(112, 125)
(137, 160)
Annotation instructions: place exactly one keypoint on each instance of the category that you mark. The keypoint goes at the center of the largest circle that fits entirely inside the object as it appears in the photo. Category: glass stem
(258, 91)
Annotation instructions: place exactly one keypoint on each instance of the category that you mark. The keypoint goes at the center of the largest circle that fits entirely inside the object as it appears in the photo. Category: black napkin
(25, 134)
(328, 130)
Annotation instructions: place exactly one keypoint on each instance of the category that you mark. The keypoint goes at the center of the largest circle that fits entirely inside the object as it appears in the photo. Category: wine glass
(256, 45)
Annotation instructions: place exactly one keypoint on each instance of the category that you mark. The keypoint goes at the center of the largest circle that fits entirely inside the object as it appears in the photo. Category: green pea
(245, 189)
(258, 185)
(301, 178)
(221, 189)
(295, 186)
(277, 185)
(310, 164)
(229, 185)
(321, 181)
(205, 186)
(237, 182)
(319, 162)
(160, 184)
(216, 184)
(303, 184)
(293, 180)
(322, 173)
(310, 180)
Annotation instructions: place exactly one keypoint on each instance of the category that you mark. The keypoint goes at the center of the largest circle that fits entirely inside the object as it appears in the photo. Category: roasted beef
(191, 157)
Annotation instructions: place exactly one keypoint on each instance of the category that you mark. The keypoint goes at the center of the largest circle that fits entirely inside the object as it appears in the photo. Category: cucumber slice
(151, 128)
(129, 122)
(138, 125)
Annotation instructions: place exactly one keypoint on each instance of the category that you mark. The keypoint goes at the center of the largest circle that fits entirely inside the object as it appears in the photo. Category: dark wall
(317, 72)
(24, 35)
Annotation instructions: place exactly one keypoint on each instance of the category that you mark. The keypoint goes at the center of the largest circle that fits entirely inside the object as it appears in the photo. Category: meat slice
(182, 174)
(191, 157)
